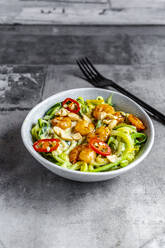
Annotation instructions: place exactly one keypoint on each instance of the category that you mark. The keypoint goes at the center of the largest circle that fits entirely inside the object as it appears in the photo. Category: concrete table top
(116, 12)
(39, 209)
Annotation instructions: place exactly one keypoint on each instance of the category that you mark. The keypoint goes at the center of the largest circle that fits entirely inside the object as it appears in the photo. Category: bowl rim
(44, 161)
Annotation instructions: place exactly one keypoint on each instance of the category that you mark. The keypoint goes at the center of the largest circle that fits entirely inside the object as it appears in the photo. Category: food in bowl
(88, 135)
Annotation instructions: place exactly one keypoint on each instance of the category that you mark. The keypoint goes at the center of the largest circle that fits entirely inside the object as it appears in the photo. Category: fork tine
(83, 70)
(91, 78)
(88, 68)
(96, 77)
(90, 63)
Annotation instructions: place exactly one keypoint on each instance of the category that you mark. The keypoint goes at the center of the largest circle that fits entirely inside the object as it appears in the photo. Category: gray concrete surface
(62, 44)
(39, 209)
(120, 12)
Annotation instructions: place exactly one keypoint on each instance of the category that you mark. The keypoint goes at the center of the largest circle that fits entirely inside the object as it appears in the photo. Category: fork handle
(152, 110)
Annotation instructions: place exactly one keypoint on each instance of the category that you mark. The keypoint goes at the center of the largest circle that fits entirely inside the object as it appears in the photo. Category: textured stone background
(54, 44)
(19, 89)
(82, 12)
(40, 209)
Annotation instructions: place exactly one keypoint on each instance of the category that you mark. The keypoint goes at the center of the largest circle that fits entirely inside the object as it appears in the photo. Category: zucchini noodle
(113, 128)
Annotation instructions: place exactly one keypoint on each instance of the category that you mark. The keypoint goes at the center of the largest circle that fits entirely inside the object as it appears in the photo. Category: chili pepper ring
(46, 145)
(100, 147)
(77, 106)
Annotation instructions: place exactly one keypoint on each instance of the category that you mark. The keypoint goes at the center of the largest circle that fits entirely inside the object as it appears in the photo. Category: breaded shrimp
(136, 122)
(101, 111)
(83, 127)
(82, 153)
(101, 133)
(62, 122)
(74, 154)
(87, 155)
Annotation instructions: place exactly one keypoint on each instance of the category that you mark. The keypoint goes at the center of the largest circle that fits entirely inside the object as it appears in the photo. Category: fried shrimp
(82, 153)
(84, 127)
(101, 111)
(136, 122)
(62, 122)
(74, 154)
(91, 136)
(87, 155)
(101, 133)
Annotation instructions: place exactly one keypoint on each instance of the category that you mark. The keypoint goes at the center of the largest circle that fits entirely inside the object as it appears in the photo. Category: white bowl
(120, 101)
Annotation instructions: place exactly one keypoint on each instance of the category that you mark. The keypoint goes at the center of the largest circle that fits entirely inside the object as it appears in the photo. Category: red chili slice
(71, 102)
(46, 145)
(100, 147)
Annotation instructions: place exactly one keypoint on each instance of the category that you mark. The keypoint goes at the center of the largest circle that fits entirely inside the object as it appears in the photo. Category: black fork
(98, 80)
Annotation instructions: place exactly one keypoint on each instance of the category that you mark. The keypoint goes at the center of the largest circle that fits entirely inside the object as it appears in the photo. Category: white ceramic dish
(121, 102)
